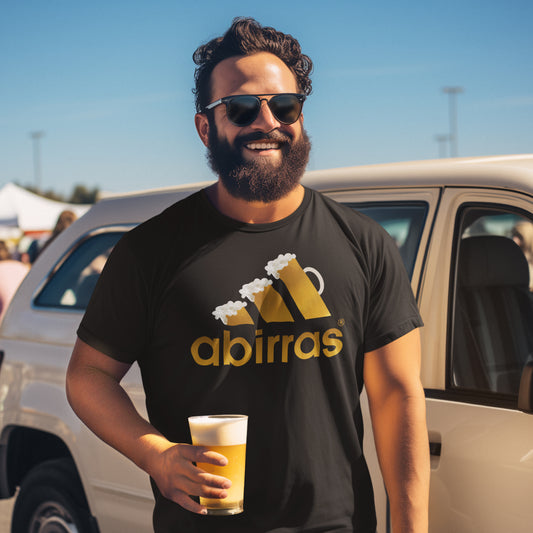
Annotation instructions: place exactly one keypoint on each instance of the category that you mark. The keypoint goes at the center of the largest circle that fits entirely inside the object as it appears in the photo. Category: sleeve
(392, 310)
(115, 321)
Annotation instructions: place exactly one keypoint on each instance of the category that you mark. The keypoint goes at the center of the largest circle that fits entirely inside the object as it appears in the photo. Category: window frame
(452, 392)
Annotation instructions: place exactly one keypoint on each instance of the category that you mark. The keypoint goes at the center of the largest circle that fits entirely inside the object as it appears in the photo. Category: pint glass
(224, 434)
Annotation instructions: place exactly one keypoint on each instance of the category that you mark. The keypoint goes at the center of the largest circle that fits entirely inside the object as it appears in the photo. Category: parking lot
(455, 224)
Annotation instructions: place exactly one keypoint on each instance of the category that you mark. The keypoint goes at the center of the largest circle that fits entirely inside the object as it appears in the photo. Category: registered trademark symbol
(340, 322)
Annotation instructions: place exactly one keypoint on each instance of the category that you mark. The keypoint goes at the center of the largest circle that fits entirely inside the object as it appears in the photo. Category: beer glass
(224, 434)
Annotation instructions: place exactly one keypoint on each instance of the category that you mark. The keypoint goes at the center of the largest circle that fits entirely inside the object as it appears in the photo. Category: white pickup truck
(461, 226)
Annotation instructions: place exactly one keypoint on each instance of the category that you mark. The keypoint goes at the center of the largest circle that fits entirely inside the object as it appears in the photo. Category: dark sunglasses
(243, 109)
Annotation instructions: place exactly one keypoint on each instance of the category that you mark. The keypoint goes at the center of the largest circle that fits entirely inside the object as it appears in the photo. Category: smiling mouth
(258, 146)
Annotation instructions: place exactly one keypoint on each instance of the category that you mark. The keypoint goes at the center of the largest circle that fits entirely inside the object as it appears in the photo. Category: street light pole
(452, 92)
(36, 137)
(442, 140)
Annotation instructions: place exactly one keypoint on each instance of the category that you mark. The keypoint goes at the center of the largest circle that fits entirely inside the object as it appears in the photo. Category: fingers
(200, 454)
(185, 500)
(200, 483)
(189, 504)
(180, 478)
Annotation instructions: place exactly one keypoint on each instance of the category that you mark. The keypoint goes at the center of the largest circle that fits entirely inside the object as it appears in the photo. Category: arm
(397, 408)
(95, 394)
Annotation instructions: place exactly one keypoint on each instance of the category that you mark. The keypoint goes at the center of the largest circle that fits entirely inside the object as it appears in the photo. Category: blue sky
(109, 82)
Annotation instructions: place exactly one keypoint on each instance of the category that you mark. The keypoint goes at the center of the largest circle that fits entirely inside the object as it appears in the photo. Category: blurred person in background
(12, 272)
(4, 251)
(523, 236)
(65, 219)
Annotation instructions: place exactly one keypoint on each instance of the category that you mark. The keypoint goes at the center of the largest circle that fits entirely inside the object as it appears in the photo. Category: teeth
(262, 146)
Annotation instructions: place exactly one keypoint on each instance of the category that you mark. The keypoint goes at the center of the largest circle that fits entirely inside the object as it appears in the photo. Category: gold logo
(269, 302)
(238, 351)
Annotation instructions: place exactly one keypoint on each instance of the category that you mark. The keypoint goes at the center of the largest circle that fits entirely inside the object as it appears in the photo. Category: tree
(82, 195)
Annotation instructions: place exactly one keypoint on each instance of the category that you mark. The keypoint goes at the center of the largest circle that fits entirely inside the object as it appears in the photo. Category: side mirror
(525, 393)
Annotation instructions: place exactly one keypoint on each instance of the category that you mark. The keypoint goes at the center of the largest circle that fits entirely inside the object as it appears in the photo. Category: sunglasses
(243, 109)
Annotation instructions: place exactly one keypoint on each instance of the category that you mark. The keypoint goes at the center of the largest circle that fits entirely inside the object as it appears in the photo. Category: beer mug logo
(233, 314)
(319, 277)
(269, 301)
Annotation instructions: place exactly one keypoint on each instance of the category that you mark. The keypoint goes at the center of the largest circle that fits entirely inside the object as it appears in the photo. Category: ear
(202, 127)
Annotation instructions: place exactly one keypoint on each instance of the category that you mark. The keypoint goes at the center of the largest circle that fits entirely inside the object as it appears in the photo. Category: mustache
(275, 135)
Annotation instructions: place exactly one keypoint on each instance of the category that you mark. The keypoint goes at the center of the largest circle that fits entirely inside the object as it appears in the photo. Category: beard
(256, 180)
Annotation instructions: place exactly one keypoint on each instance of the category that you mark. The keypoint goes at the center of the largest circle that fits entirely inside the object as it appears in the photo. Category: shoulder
(174, 222)
(353, 222)
(171, 219)
(151, 242)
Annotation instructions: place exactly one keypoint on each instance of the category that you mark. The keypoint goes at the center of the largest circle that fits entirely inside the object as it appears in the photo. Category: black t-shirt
(267, 320)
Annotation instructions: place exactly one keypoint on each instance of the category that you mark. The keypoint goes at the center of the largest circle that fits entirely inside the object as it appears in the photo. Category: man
(296, 365)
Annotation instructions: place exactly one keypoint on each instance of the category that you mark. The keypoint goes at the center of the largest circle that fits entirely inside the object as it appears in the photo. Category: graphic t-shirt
(267, 320)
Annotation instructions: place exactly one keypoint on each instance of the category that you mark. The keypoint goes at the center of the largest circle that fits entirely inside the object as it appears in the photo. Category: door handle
(435, 448)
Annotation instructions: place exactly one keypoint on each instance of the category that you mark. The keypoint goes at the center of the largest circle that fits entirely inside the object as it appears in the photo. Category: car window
(70, 286)
(403, 221)
(492, 336)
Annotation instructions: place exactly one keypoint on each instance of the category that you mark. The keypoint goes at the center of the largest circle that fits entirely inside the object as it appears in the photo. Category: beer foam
(251, 289)
(273, 267)
(230, 308)
(218, 430)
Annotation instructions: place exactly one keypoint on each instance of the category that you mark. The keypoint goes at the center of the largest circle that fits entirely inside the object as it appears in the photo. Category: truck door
(481, 444)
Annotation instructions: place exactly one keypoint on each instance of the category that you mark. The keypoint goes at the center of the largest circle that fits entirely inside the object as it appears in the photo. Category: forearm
(402, 446)
(103, 405)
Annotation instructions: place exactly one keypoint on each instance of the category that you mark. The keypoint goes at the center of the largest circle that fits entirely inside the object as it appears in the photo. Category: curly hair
(246, 37)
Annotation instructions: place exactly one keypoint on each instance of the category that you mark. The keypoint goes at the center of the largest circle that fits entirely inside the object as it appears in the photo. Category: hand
(178, 478)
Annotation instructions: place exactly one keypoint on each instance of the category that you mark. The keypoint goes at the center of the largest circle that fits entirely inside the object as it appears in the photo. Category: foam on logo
(233, 313)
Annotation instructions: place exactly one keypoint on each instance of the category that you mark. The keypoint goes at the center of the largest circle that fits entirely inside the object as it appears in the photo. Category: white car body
(481, 442)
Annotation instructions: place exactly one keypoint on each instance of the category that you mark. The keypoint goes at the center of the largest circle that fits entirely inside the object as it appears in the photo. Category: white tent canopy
(28, 212)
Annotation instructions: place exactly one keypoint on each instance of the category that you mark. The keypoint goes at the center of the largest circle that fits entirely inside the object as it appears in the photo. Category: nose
(265, 120)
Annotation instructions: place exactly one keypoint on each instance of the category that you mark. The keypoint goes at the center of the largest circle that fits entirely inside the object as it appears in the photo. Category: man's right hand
(178, 478)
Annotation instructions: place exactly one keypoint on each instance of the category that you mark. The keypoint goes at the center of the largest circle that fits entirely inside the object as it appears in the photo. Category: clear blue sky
(109, 82)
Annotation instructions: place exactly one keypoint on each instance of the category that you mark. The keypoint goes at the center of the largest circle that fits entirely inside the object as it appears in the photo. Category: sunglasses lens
(286, 108)
(243, 110)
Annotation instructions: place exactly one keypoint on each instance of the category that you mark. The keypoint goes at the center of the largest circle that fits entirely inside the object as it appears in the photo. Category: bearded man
(295, 366)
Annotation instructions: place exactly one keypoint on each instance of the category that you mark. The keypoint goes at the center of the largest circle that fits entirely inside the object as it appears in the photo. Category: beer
(302, 290)
(224, 434)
